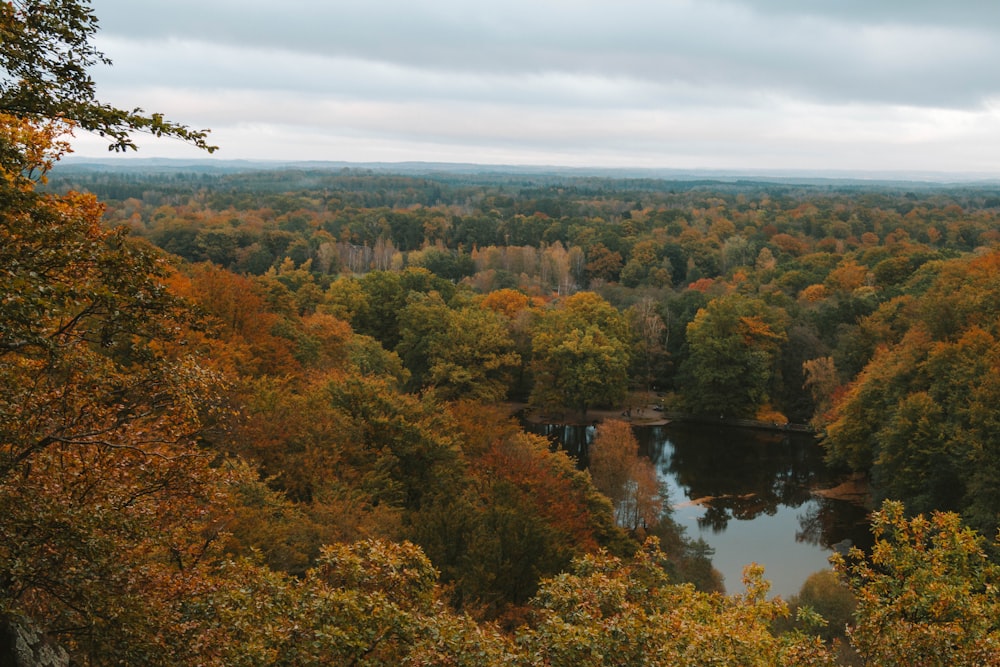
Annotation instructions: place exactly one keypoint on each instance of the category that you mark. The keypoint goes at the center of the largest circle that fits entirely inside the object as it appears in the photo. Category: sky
(857, 86)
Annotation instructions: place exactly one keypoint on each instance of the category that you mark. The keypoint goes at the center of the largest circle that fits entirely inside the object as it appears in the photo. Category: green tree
(826, 594)
(580, 354)
(374, 309)
(376, 314)
(462, 352)
(475, 357)
(734, 342)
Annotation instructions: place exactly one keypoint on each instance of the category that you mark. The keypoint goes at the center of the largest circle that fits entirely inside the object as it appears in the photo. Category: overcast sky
(866, 85)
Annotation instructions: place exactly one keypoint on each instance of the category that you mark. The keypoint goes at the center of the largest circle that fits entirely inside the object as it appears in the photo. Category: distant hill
(803, 177)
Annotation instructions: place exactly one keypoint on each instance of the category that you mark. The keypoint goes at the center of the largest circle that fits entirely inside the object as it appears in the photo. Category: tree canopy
(272, 447)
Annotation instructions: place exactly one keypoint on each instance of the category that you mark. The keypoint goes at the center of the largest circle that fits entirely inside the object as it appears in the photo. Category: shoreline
(853, 488)
(645, 415)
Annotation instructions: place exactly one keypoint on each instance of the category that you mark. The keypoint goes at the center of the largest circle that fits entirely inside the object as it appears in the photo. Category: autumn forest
(267, 416)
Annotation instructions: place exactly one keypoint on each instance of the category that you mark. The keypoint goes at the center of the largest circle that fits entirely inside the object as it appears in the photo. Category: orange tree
(106, 504)
(107, 507)
(627, 479)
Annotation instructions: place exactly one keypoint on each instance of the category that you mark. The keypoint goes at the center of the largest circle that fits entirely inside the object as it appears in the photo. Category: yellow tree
(610, 612)
(927, 593)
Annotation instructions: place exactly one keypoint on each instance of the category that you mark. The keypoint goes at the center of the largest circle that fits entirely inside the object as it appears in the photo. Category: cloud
(968, 13)
(900, 56)
(667, 80)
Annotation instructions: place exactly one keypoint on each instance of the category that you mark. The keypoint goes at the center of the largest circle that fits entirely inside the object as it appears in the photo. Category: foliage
(827, 255)
(367, 603)
(580, 354)
(920, 416)
(460, 352)
(824, 605)
(219, 463)
(734, 342)
(607, 612)
(524, 513)
(46, 51)
(927, 594)
(107, 505)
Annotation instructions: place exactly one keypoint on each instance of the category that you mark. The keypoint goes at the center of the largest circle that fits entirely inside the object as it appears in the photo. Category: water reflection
(736, 473)
(836, 525)
(761, 480)
(574, 440)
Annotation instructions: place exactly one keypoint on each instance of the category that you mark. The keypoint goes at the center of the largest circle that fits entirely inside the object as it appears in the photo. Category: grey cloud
(855, 53)
(735, 80)
(965, 13)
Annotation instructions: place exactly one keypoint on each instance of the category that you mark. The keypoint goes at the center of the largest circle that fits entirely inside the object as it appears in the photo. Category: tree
(371, 602)
(927, 594)
(581, 369)
(921, 415)
(825, 593)
(650, 332)
(46, 51)
(822, 382)
(508, 302)
(524, 513)
(374, 310)
(734, 342)
(580, 354)
(376, 313)
(475, 358)
(108, 509)
(612, 612)
(603, 264)
(402, 449)
(107, 506)
(462, 352)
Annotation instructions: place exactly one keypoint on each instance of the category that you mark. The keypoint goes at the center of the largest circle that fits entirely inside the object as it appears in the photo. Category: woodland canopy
(260, 418)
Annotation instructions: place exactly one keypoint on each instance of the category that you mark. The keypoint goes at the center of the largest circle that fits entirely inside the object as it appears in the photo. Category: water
(747, 493)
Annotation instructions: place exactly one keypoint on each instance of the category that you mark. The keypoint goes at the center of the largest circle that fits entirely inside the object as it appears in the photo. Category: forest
(265, 417)
(336, 356)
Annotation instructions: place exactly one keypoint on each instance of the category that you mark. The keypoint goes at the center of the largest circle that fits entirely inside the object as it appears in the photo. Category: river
(748, 494)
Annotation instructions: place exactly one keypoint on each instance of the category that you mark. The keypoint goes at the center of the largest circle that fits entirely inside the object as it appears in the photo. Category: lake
(747, 493)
